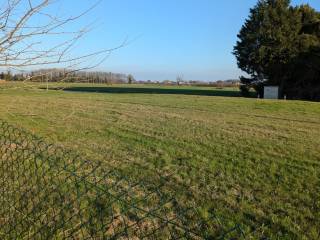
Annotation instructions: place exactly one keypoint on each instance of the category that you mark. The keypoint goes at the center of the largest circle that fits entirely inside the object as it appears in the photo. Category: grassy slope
(255, 162)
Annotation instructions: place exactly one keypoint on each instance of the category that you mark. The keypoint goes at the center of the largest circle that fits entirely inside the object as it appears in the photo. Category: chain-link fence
(47, 192)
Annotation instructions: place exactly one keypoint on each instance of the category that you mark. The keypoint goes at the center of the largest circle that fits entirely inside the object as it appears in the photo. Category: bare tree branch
(23, 43)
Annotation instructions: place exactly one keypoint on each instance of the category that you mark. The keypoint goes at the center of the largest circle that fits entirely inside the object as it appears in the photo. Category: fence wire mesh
(48, 192)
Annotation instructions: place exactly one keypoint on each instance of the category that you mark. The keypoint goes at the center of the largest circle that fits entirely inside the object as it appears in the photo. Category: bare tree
(24, 42)
(179, 79)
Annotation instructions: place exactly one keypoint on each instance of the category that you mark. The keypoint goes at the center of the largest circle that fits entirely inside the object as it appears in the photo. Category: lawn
(253, 162)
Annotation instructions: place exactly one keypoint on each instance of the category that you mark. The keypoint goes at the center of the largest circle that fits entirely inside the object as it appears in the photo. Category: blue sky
(193, 38)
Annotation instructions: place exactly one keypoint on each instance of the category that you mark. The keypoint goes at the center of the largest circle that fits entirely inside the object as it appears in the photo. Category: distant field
(255, 162)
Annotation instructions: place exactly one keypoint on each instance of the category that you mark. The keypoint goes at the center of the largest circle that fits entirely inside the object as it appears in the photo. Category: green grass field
(255, 162)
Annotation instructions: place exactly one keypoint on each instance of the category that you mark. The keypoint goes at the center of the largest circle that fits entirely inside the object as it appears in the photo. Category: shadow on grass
(182, 91)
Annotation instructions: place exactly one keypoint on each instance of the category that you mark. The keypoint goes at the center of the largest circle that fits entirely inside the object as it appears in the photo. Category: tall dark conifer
(274, 41)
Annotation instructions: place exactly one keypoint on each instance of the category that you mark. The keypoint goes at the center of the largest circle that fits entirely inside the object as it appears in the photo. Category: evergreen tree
(130, 79)
(304, 82)
(274, 40)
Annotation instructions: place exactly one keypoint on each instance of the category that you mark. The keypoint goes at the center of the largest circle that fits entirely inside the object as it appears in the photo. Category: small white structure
(271, 92)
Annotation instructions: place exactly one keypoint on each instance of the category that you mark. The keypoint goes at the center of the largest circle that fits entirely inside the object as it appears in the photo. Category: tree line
(67, 75)
(279, 44)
